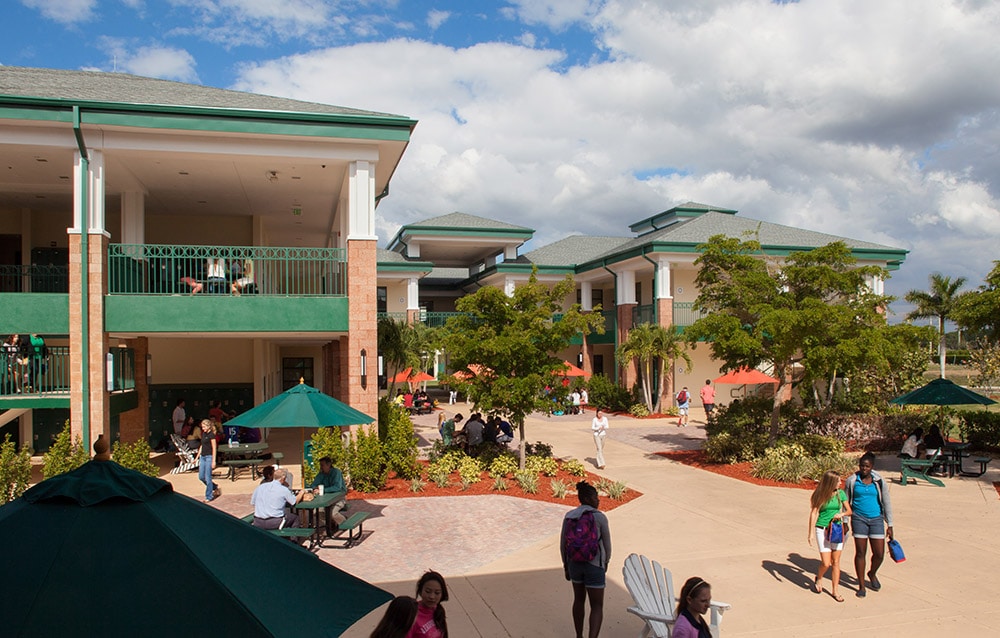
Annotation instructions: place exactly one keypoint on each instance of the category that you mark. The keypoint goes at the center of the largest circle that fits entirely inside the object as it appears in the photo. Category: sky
(871, 120)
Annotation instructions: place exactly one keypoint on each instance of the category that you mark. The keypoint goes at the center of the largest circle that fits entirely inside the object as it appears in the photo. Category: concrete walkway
(501, 559)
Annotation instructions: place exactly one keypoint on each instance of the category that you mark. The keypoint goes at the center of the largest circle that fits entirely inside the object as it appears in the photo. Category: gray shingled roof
(464, 220)
(99, 86)
(573, 250)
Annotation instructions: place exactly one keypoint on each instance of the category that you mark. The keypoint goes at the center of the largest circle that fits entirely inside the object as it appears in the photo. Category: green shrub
(538, 449)
(417, 485)
(574, 467)
(638, 410)
(64, 455)
(542, 465)
(135, 456)
(470, 470)
(527, 480)
(399, 440)
(603, 485)
(839, 463)
(368, 469)
(15, 470)
(327, 442)
(503, 465)
(735, 447)
(982, 428)
(559, 488)
(787, 463)
(818, 445)
(452, 459)
(617, 490)
(499, 484)
(605, 393)
(440, 476)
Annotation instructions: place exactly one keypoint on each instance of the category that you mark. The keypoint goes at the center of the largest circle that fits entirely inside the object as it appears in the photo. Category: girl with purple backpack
(585, 545)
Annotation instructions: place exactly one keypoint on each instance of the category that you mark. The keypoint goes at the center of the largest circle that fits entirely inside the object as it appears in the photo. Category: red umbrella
(409, 376)
(573, 371)
(746, 376)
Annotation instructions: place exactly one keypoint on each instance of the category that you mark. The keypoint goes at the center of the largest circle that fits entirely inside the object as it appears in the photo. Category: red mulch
(400, 488)
(996, 486)
(740, 471)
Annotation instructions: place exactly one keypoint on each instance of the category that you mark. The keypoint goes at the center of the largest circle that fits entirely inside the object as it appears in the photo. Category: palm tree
(940, 302)
(652, 343)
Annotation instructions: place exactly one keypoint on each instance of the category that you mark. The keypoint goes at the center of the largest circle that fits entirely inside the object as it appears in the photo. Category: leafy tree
(15, 470)
(135, 456)
(985, 358)
(403, 345)
(653, 344)
(938, 303)
(64, 455)
(513, 339)
(764, 312)
(979, 309)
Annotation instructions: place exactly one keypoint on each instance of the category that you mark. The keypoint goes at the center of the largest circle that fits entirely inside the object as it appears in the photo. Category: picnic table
(241, 456)
(955, 453)
(326, 502)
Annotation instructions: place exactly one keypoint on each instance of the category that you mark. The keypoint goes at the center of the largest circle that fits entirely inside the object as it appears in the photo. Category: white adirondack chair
(652, 589)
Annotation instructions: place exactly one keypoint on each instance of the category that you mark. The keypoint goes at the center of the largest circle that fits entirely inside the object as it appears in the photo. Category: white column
(95, 194)
(626, 287)
(361, 201)
(586, 295)
(78, 194)
(508, 287)
(663, 286)
(413, 294)
(133, 217)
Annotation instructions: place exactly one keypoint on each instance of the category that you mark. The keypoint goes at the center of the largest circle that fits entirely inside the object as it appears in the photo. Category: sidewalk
(501, 559)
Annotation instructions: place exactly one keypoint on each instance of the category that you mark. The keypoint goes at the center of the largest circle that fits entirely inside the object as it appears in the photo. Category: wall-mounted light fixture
(579, 359)
(364, 369)
(149, 369)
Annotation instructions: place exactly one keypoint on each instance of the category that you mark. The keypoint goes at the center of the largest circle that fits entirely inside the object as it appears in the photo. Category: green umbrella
(942, 392)
(300, 406)
(106, 551)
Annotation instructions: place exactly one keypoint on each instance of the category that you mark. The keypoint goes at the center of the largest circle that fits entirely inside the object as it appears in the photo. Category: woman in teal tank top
(829, 505)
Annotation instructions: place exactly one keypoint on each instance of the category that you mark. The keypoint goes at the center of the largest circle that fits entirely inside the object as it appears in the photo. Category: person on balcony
(245, 279)
(34, 357)
(216, 274)
(9, 351)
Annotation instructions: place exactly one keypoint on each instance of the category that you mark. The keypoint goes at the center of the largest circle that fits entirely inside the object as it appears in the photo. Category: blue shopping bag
(896, 551)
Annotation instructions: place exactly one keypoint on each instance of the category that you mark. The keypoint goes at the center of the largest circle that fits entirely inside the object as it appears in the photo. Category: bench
(918, 469)
(277, 457)
(287, 532)
(983, 462)
(236, 465)
(355, 522)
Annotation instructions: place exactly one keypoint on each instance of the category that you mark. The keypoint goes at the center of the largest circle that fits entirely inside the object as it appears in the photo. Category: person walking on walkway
(599, 425)
(829, 507)
(683, 404)
(871, 520)
(206, 460)
(708, 397)
(585, 546)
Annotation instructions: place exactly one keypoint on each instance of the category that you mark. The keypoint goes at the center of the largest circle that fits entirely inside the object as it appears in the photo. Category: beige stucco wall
(195, 361)
(210, 230)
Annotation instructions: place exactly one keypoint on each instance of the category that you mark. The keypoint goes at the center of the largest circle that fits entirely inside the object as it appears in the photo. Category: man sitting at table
(332, 481)
(269, 501)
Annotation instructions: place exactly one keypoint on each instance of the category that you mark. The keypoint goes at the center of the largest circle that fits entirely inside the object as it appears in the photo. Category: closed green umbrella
(942, 392)
(106, 551)
(300, 406)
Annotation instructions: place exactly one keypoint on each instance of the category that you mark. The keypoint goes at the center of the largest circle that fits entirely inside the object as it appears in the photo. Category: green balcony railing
(437, 319)
(395, 316)
(684, 313)
(123, 369)
(643, 314)
(35, 375)
(34, 278)
(164, 269)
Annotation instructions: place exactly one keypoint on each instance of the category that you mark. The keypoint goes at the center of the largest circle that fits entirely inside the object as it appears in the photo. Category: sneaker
(216, 493)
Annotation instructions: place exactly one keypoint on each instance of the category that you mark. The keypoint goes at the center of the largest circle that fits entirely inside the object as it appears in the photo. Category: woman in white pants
(600, 427)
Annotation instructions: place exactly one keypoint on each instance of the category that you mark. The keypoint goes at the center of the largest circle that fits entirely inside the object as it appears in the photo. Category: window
(638, 292)
(295, 368)
(598, 364)
(381, 303)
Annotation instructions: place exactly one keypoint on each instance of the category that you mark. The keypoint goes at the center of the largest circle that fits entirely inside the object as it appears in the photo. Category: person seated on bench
(332, 481)
(270, 499)
(506, 434)
(473, 431)
(933, 444)
(911, 445)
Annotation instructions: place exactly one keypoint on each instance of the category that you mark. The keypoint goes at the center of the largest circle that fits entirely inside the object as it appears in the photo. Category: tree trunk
(521, 446)
(779, 393)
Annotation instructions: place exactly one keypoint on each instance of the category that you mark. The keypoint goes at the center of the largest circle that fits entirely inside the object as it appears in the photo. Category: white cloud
(436, 18)
(155, 61)
(65, 11)
(874, 121)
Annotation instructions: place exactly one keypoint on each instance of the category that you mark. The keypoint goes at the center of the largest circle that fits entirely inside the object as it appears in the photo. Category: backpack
(582, 538)
(682, 397)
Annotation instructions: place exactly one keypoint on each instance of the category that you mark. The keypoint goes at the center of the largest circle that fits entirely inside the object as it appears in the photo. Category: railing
(684, 313)
(123, 364)
(437, 319)
(162, 269)
(643, 314)
(34, 278)
(35, 374)
(395, 316)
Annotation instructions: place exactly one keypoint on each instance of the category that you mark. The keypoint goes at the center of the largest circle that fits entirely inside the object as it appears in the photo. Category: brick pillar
(629, 375)
(363, 327)
(134, 423)
(413, 316)
(97, 403)
(331, 370)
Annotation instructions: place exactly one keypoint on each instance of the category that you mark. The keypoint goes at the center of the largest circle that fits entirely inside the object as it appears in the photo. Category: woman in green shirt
(829, 503)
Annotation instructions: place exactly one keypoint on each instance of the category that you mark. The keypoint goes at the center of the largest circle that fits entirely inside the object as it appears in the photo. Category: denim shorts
(589, 574)
(864, 527)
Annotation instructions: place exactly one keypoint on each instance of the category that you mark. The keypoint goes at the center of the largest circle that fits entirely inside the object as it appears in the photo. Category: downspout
(84, 280)
(614, 276)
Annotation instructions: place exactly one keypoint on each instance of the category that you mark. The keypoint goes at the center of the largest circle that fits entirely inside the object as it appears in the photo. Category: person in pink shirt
(708, 397)
(694, 601)
(431, 621)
